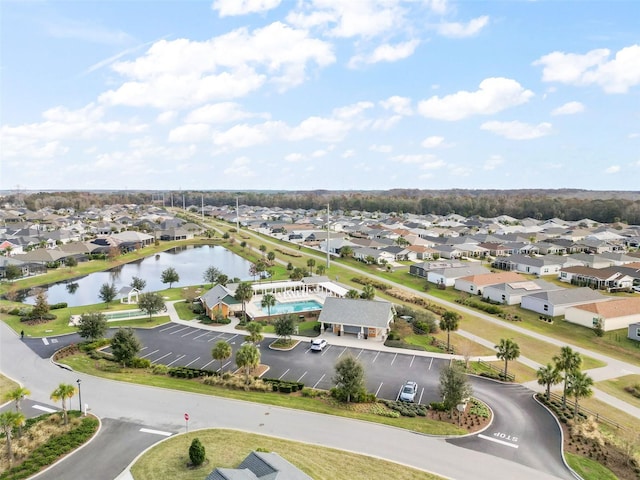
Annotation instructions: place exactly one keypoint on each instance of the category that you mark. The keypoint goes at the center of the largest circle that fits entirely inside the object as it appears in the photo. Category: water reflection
(190, 262)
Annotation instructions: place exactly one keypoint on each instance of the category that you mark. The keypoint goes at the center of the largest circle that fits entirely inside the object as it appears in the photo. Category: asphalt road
(522, 431)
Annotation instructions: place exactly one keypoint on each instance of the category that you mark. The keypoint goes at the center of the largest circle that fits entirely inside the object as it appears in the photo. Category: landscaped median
(427, 421)
(227, 448)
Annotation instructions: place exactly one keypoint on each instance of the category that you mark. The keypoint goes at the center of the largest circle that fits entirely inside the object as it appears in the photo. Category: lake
(190, 262)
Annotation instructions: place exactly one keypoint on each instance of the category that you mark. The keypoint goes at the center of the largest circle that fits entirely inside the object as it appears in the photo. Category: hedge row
(367, 281)
(56, 447)
(185, 372)
(485, 307)
(407, 409)
(283, 386)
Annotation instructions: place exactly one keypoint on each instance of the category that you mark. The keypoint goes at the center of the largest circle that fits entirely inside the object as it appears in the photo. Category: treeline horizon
(567, 204)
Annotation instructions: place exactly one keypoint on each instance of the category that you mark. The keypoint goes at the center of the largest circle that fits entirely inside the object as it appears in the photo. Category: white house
(555, 302)
(613, 315)
(511, 293)
(475, 284)
(448, 275)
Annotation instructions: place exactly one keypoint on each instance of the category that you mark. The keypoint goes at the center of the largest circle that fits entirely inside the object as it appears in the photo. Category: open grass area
(616, 387)
(611, 413)
(521, 372)
(227, 448)
(82, 363)
(6, 385)
(589, 469)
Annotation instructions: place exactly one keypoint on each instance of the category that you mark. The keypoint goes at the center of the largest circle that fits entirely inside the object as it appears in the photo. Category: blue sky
(320, 94)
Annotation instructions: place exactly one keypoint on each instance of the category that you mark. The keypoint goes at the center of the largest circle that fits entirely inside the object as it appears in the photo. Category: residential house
(475, 284)
(511, 293)
(634, 331)
(219, 301)
(548, 265)
(447, 276)
(554, 303)
(260, 466)
(600, 278)
(612, 315)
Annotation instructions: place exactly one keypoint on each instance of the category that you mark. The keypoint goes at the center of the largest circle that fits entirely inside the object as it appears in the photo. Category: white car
(318, 344)
(408, 393)
(636, 288)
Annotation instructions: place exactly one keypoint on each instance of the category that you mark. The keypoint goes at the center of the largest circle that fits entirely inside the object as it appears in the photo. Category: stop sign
(186, 417)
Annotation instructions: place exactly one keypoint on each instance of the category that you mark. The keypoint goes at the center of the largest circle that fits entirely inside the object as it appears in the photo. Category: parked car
(408, 393)
(636, 288)
(318, 344)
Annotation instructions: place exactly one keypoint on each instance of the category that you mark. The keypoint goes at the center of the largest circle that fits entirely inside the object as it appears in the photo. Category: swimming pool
(291, 307)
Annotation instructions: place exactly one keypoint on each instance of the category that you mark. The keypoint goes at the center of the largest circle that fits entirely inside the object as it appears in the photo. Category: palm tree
(449, 322)
(17, 395)
(267, 302)
(311, 263)
(352, 293)
(548, 376)
(61, 393)
(247, 358)
(507, 350)
(221, 351)
(243, 294)
(368, 292)
(568, 362)
(580, 387)
(255, 332)
(8, 421)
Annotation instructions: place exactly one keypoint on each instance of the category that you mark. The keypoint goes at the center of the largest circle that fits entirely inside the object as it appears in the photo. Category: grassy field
(589, 469)
(227, 448)
(82, 363)
(616, 386)
(6, 385)
(521, 372)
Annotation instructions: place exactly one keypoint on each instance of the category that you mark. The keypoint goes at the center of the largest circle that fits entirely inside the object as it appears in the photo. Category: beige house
(614, 314)
(474, 284)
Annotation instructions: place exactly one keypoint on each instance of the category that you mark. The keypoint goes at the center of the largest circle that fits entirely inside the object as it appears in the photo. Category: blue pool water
(292, 307)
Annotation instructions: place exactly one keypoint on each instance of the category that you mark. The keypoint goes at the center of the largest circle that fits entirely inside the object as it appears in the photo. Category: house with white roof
(511, 293)
(555, 302)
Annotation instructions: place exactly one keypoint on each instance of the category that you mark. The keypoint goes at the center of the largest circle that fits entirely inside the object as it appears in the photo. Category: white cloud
(346, 19)
(351, 111)
(569, 108)
(633, 135)
(323, 129)
(166, 117)
(348, 153)
(190, 133)
(242, 136)
(434, 142)
(386, 53)
(229, 8)
(517, 130)
(218, 113)
(615, 75)
(493, 162)
(460, 171)
(399, 105)
(493, 95)
(381, 148)
(462, 30)
(182, 73)
(318, 153)
(240, 167)
(294, 157)
(612, 169)
(439, 6)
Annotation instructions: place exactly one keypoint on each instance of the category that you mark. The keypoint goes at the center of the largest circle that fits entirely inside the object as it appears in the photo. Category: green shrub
(438, 406)
(138, 362)
(57, 306)
(197, 453)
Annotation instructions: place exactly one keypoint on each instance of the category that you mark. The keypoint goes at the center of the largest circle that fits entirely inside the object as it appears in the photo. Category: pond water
(190, 262)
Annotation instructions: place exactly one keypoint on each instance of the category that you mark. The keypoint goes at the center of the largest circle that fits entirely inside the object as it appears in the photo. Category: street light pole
(79, 395)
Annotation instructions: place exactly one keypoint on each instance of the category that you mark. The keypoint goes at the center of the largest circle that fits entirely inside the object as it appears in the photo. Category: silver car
(408, 393)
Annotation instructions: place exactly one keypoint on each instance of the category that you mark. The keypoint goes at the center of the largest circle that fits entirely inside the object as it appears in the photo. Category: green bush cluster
(479, 409)
(186, 372)
(564, 414)
(159, 369)
(96, 355)
(29, 317)
(283, 386)
(56, 447)
(438, 406)
(407, 409)
(375, 284)
(58, 306)
(88, 346)
(382, 410)
(485, 307)
(138, 362)
(633, 390)
(312, 393)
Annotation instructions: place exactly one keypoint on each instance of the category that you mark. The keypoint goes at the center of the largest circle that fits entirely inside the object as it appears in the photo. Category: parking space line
(45, 341)
(345, 349)
(302, 376)
(398, 395)
(179, 358)
(394, 358)
(156, 432)
(430, 363)
(190, 333)
(148, 354)
(378, 390)
(421, 393)
(192, 361)
(170, 327)
(307, 350)
(222, 367)
(319, 380)
(143, 348)
(285, 372)
(232, 338)
(201, 335)
(412, 359)
(217, 336)
(158, 359)
(325, 349)
(360, 353)
(207, 364)
(374, 359)
(178, 331)
(43, 408)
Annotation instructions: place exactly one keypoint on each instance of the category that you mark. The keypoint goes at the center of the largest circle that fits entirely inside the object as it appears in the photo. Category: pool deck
(255, 310)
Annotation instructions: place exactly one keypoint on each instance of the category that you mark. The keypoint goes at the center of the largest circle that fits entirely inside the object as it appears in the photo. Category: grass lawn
(522, 372)
(6, 385)
(589, 469)
(82, 363)
(610, 412)
(616, 387)
(227, 448)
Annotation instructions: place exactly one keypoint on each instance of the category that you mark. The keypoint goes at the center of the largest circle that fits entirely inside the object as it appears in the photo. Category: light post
(79, 395)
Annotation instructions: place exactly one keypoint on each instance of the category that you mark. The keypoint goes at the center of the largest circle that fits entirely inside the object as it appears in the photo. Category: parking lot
(179, 345)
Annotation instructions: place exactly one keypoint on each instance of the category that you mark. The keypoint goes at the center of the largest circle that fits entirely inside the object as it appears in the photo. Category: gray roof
(215, 296)
(260, 466)
(356, 312)
(528, 287)
(570, 295)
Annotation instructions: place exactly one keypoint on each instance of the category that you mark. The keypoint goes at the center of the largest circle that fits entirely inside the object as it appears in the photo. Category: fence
(598, 417)
(510, 376)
